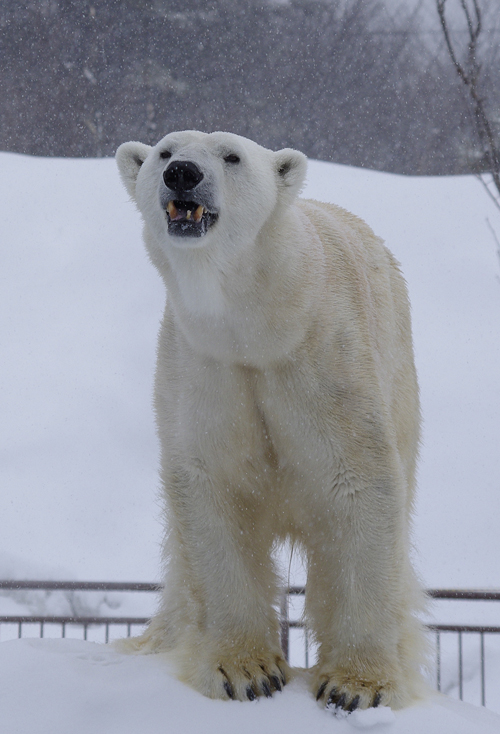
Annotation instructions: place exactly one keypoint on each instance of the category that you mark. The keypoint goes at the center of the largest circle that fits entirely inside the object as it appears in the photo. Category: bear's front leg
(221, 589)
(361, 597)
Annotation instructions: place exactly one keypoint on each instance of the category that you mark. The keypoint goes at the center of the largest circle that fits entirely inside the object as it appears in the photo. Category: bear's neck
(253, 308)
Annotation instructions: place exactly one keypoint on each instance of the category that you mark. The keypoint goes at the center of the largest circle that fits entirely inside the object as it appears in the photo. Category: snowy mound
(61, 686)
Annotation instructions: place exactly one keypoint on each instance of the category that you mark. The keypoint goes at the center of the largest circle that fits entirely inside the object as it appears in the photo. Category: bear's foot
(350, 691)
(248, 679)
(240, 677)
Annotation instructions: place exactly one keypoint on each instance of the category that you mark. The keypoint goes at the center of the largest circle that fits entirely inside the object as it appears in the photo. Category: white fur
(287, 406)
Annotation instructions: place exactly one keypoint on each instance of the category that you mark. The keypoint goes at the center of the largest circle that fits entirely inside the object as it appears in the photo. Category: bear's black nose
(182, 176)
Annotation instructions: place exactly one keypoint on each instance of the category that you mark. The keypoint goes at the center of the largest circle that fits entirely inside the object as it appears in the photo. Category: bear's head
(193, 188)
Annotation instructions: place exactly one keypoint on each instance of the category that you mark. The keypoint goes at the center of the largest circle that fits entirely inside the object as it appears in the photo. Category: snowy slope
(80, 307)
(61, 686)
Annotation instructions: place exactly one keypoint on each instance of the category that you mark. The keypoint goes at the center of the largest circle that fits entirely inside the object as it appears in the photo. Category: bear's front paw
(244, 678)
(349, 692)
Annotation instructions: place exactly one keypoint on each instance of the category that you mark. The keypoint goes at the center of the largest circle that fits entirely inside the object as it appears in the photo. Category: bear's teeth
(199, 211)
(172, 210)
(188, 215)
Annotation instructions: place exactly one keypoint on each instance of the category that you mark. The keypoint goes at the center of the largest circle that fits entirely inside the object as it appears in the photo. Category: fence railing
(82, 621)
(287, 623)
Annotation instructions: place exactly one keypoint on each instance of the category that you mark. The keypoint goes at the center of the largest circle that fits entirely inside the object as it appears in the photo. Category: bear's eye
(232, 158)
(165, 154)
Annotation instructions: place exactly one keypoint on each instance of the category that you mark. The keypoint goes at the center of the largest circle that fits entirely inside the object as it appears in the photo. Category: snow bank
(61, 686)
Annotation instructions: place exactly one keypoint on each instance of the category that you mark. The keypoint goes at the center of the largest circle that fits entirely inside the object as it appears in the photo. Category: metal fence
(460, 631)
(85, 622)
(288, 623)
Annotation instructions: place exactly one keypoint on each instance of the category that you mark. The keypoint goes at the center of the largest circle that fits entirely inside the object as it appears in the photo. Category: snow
(81, 306)
(61, 686)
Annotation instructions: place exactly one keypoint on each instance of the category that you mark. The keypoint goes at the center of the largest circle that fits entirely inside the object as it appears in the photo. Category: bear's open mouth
(188, 218)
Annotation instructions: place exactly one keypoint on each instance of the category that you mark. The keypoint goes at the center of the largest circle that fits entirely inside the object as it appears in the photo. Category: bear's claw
(283, 676)
(337, 700)
(266, 689)
(353, 705)
(228, 688)
(276, 683)
(321, 690)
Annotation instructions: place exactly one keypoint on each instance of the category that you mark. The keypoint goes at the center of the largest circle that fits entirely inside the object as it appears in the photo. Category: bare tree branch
(492, 196)
(469, 72)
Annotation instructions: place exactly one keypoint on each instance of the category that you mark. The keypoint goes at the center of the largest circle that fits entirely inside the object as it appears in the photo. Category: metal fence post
(438, 659)
(284, 626)
(460, 668)
(483, 685)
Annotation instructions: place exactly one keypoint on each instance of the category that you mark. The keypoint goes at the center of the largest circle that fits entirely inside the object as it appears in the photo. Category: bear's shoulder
(346, 235)
(331, 216)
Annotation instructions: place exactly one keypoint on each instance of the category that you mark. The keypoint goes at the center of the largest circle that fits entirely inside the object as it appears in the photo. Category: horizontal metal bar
(292, 624)
(465, 594)
(26, 619)
(82, 585)
(431, 627)
(462, 628)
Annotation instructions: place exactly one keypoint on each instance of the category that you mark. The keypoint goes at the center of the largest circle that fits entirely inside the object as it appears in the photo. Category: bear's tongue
(185, 210)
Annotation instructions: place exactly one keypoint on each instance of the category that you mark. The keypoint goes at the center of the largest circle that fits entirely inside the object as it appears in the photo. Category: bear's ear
(291, 167)
(130, 157)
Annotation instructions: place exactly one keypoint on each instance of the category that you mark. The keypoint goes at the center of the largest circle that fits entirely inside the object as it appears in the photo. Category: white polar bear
(287, 407)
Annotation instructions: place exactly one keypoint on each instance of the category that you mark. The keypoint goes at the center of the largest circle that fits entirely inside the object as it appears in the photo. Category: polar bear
(287, 407)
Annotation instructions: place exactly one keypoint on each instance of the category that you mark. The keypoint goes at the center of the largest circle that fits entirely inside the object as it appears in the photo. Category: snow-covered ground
(61, 686)
(80, 307)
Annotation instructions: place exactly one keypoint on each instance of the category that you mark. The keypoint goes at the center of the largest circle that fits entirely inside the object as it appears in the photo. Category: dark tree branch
(469, 72)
